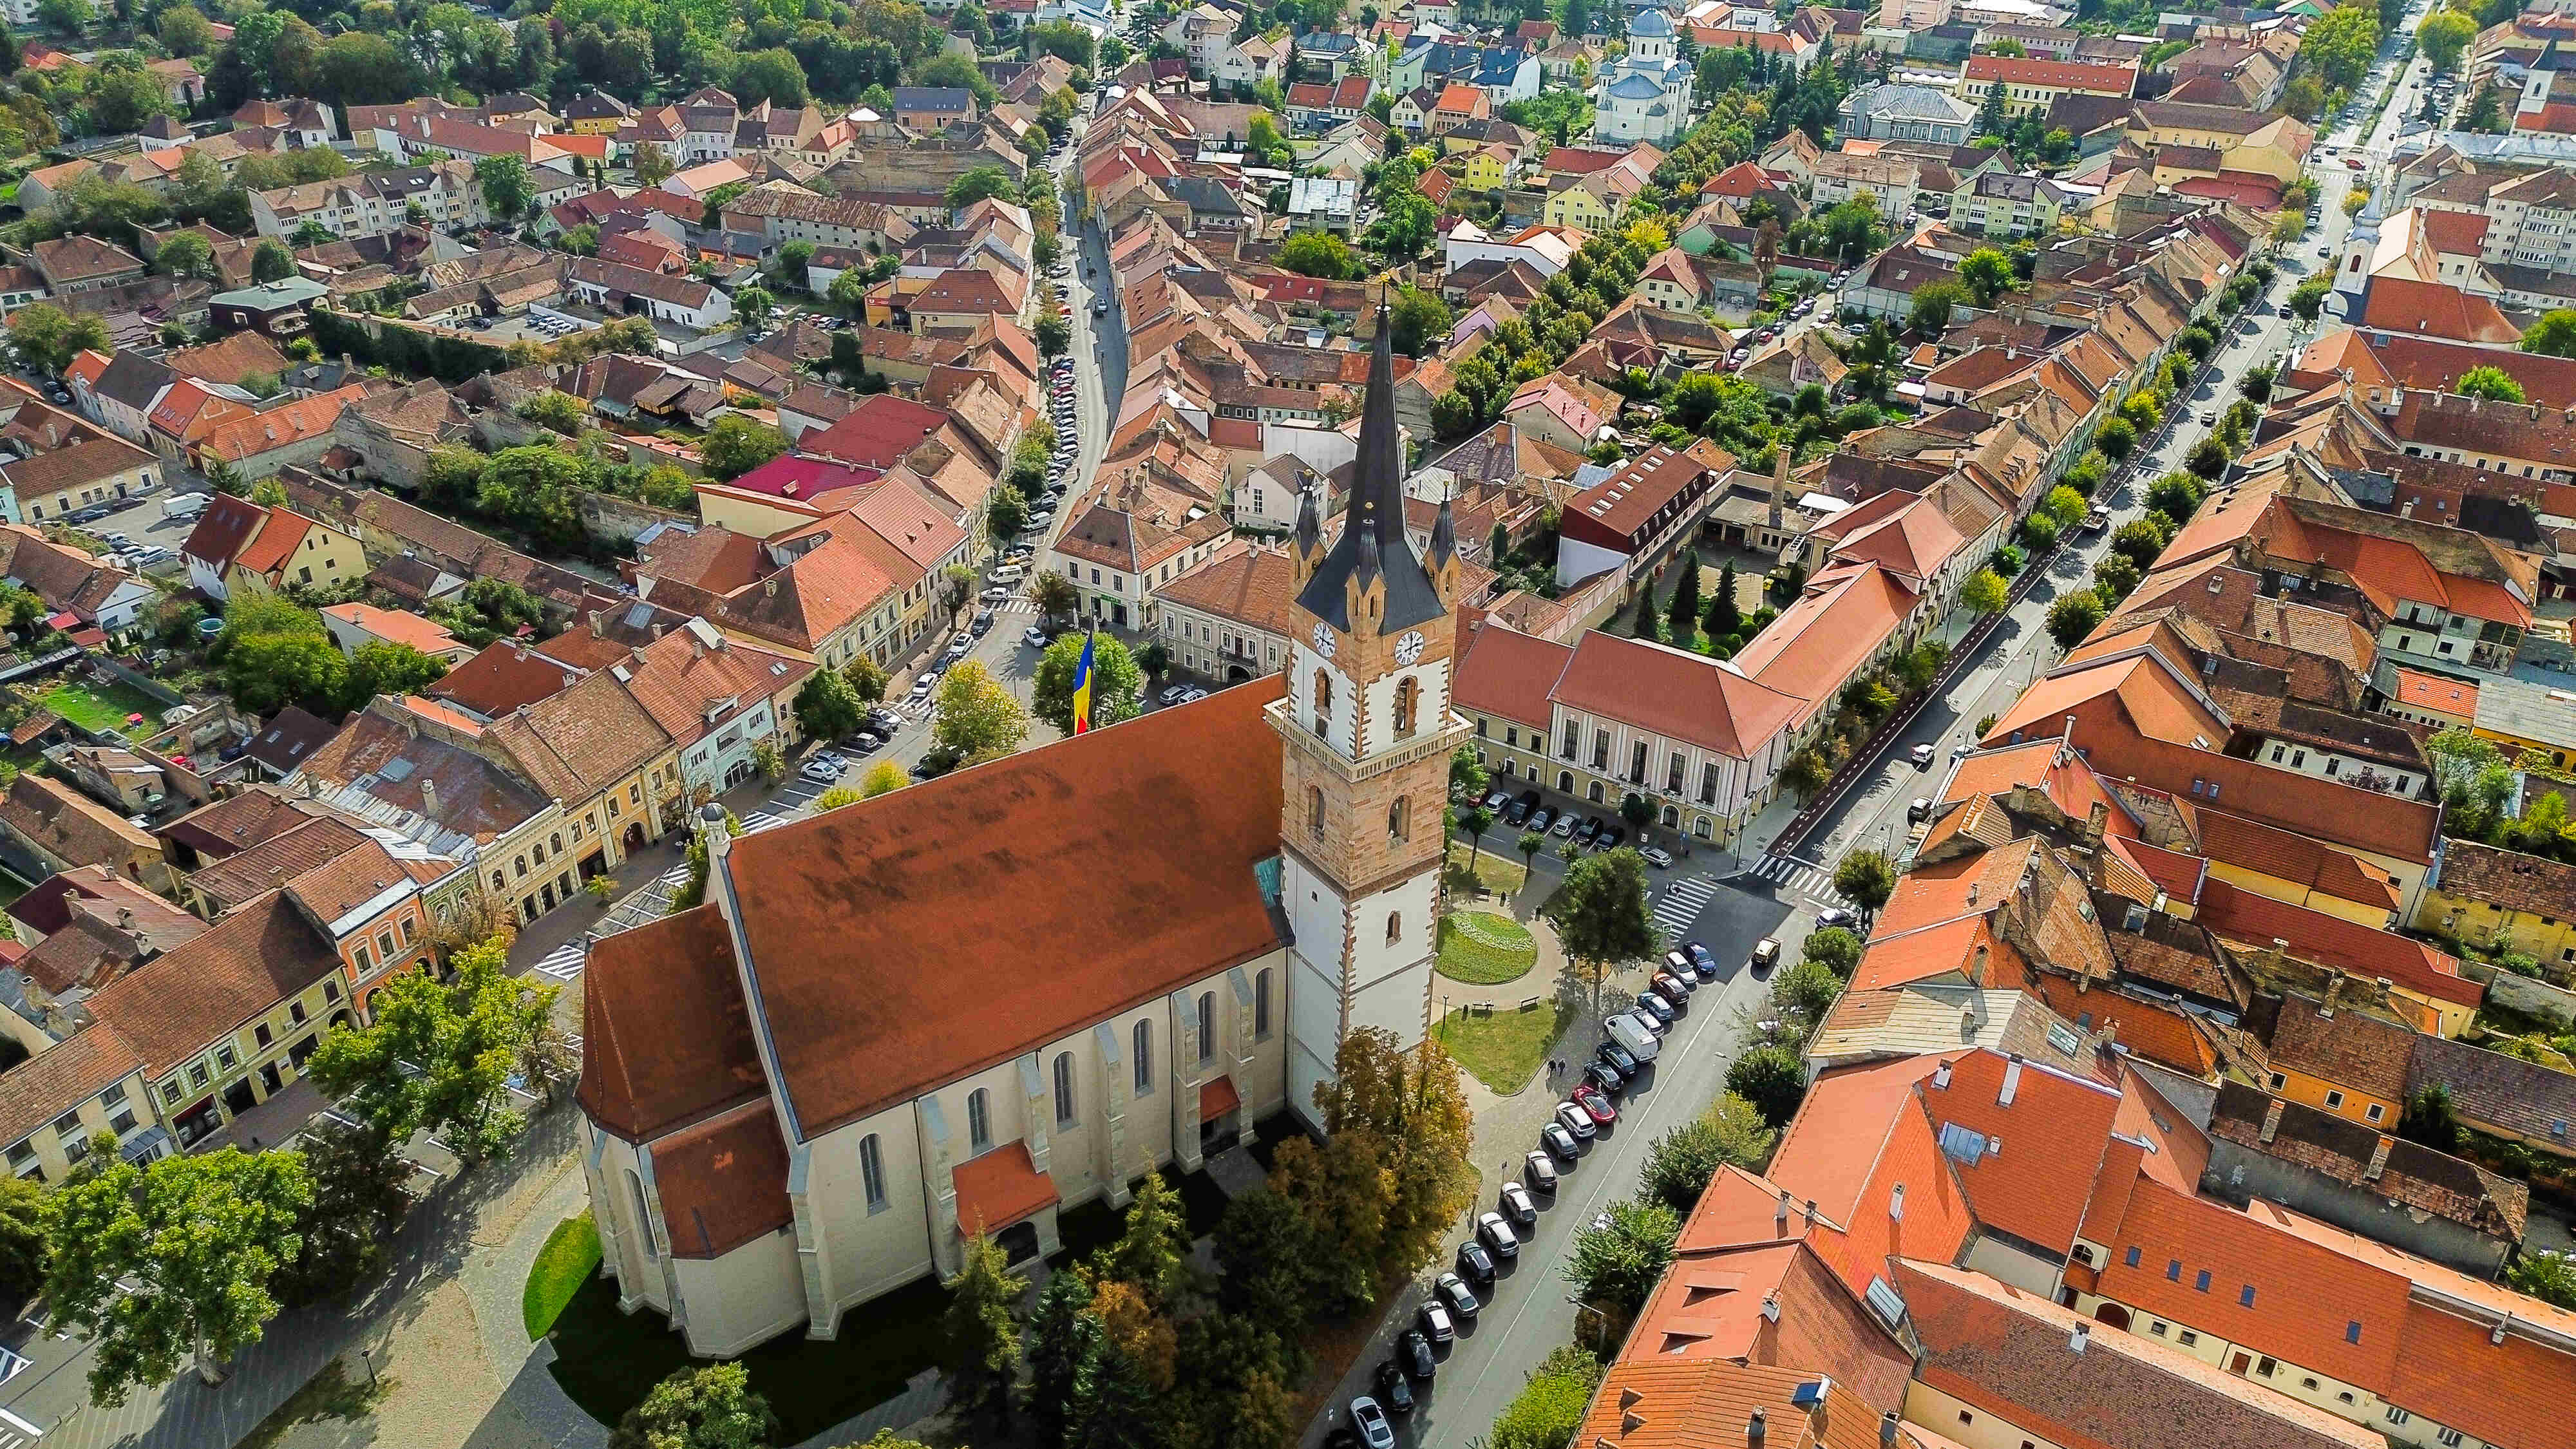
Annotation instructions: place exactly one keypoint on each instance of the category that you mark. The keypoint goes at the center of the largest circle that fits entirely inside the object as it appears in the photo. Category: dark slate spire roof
(1372, 544)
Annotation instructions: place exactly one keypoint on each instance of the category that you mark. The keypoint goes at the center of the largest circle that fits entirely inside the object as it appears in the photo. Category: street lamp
(369, 1360)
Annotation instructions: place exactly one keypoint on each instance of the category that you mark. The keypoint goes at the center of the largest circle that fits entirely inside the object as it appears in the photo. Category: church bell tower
(1367, 733)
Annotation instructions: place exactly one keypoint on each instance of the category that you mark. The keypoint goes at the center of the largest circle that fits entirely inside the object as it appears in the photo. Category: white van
(186, 505)
(1008, 574)
(1633, 1037)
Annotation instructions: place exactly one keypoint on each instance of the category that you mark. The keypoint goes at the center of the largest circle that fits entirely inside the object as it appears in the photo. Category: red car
(1594, 1104)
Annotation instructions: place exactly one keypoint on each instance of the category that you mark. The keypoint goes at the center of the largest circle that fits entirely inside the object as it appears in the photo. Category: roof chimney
(1887, 1430)
(1941, 1077)
(2012, 1081)
(428, 796)
(2272, 1119)
(125, 918)
(1754, 1429)
(1811, 1212)
(1780, 1213)
(2082, 1337)
(1771, 1307)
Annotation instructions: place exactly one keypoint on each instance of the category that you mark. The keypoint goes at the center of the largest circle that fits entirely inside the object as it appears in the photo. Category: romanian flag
(1082, 688)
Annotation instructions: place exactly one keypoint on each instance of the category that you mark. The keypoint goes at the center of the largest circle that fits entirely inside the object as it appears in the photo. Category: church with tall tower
(966, 1006)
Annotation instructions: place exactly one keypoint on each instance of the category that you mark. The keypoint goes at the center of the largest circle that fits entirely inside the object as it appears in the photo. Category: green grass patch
(608, 1361)
(1484, 949)
(96, 707)
(570, 1255)
(1502, 1049)
(1496, 872)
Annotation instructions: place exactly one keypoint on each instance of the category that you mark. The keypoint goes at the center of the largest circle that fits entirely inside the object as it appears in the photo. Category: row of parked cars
(1460, 1294)
(1592, 832)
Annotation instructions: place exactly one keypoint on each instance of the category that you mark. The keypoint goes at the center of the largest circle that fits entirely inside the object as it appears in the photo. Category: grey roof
(1651, 22)
(1634, 87)
(134, 380)
(1908, 102)
(1373, 544)
(943, 99)
(285, 292)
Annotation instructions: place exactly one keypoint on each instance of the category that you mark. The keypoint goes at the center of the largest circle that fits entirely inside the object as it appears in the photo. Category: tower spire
(1373, 553)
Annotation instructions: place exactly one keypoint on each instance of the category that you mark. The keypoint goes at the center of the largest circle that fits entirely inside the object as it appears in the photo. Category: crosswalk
(563, 963)
(1792, 874)
(1678, 905)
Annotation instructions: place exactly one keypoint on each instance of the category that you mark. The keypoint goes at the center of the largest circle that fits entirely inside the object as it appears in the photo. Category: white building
(1645, 95)
(797, 1100)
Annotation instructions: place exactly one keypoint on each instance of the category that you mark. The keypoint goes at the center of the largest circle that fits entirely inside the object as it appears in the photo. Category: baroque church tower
(1367, 734)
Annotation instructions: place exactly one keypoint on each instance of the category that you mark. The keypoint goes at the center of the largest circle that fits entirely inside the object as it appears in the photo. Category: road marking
(1680, 903)
(564, 962)
(1815, 883)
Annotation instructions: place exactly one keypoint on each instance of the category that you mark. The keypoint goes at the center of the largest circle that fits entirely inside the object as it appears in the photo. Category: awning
(1000, 1188)
(1218, 1097)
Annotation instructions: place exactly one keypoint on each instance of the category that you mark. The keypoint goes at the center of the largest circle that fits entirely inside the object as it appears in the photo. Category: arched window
(500, 882)
(1315, 811)
(1064, 1089)
(1144, 1059)
(1261, 1005)
(1394, 927)
(979, 1124)
(1565, 781)
(1408, 701)
(1323, 700)
(872, 1171)
(643, 1216)
(1207, 1025)
(1399, 818)
(1672, 816)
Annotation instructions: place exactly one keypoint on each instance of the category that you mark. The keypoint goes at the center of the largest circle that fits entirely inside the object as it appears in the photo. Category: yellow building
(2031, 84)
(2246, 141)
(2505, 900)
(242, 547)
(1488, 167)
(2338, 1059)
(1579, 207)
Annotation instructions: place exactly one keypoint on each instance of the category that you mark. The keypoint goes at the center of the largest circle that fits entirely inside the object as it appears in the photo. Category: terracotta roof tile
(171, 1008)
(723, 1182)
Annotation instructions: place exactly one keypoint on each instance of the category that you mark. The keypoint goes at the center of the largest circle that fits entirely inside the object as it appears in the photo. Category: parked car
(1496, 800)
(1035, 638)
(1519, 1206)
(1497, 1235)
(1923, 755)
(1456, 1296)
(1172, 693)
(1559, 1142)
(820, 772)
(1541, 818)
(924, 685)
(1617, 1057)
(1672, 989)
(1605, 1076)
(1435, 1323)
(1564, 826)
(1393, 1387)
(1539, 1171)
(1703, 960)
(1375, 1431)
(1766, 954)
(1475, 1262)
(1595, 1101)
(1678, 964)
(1610, 836)
(1656, 856)
(1413, 1350)
(1575, 1120)
(1655, 1009)
(1590, 832)
(1833, 916)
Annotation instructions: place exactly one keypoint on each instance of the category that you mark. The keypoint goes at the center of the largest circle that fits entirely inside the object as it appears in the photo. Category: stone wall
(616, 521)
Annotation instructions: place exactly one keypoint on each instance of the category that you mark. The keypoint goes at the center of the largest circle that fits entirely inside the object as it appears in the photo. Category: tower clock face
(1323, 637)
(1409, 648)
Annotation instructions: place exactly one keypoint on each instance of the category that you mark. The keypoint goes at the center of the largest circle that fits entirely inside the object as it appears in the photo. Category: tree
(2175, 495)
(1803, 994)
(1684, 609)
(66, 17)
(438, 1054)
(711, 1406)
(2545, 1274)
(1474, 821)
(383, 667)
(185, 31)
(1600, 915)
(2554, 334)
(1409, 1106)
(2430, 1121)
(1987, 274)
(979, 182)
(504, 182)
(1681, 1163)
(883, 778)
(1529, 845)
(2117, 439)
(358, 1199)
(1063, 1342)
(1837, 949)
(25, 1217)
(50, 337)
(185, 254)
(2074, 617)
(1772, 1078)
(1152, 1251)
(1649, 623)
(1007, 514)
(1467, 778)
(2340, 46)
(755, 306)
(1985, 592)
(1548, 1411)
(2208, 458)
(976, 716)
(1933, 304)
(270, 261)
(1316, 254)
(1866, 878)
(173, 1261)
(771, 75)
(1055, 596)
(2308, 299)
(1054, 335)
(827, 707)
(2491, 383)
(1421, 321)
(1615, 1265)
(1725, 615)
(1265, 1257)
(1807, 774)
(267, 671)
(983, 1358)
(738, 444)
(1117, 684)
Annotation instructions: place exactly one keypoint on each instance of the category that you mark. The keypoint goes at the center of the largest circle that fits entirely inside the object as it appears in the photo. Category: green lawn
(1502, 1050)
(571, 1254)
(1484, 949)
(1494, 871)
(607, 1361)
(94, 707)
